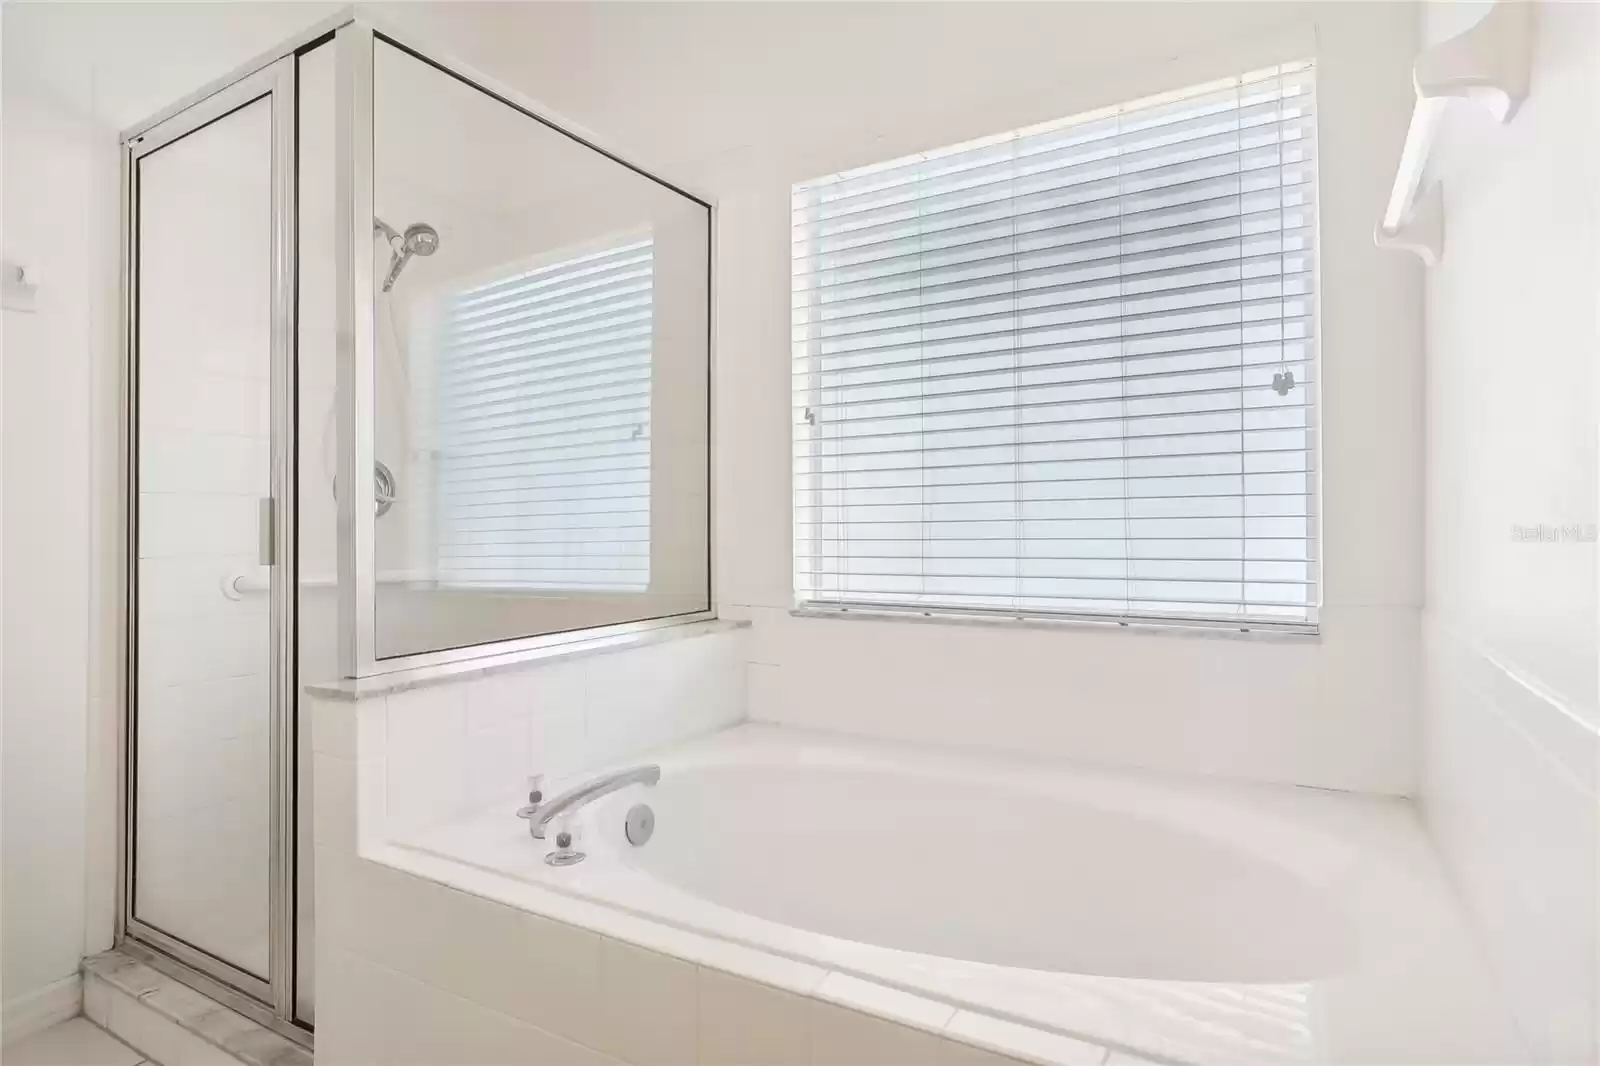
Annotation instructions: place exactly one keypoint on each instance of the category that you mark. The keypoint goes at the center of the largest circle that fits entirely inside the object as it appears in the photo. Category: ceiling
(693, 90)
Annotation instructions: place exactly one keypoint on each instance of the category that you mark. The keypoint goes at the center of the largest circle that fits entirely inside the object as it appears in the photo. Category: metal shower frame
(352, 33)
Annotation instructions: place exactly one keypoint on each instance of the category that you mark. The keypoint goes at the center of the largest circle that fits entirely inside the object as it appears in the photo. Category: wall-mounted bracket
(1420, 231)
(1487, 64)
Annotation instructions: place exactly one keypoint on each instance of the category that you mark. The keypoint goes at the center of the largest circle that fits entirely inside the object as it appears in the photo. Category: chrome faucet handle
(535, 797)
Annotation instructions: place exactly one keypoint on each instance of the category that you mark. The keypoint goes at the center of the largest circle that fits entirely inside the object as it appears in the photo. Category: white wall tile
(843, 1037)
(743, 1023)
(498, 765)
(372, 800)
(768, 692)
(420, 720)
(333, 809)
(171, 525)
(184, 399)
(503, 699)
(426, 765)
(543, 972)
(649, 1013)
(333, 727)
(499, 735)
(539, 971)
(450, 747)
(364, 1002)
(97, 1000)
(663, 692)
(558, 742)
(180, 461)
(189, 586)
(1522, 839)
(1276, 710)
(372, 728)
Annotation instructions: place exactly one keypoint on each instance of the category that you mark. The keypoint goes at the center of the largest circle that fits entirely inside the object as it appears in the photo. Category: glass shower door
(206, 363)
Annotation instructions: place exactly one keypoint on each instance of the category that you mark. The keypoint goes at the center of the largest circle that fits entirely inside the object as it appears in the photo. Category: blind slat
(543, 395)
(1070, 368)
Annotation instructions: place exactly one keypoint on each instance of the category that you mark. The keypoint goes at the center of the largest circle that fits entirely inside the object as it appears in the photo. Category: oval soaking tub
(1188, 920)
(1001, 872)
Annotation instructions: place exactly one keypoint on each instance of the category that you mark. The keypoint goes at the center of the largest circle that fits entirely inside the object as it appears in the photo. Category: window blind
(1067, 370)
(543, 467)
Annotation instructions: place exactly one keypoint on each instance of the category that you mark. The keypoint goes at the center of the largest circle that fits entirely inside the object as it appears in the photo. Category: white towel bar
(1487, 64)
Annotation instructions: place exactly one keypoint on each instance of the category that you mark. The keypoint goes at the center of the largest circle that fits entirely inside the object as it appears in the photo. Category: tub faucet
(540, 814)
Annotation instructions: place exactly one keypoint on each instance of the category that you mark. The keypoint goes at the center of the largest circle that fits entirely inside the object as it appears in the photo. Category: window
(1069, 370)
(543, 473)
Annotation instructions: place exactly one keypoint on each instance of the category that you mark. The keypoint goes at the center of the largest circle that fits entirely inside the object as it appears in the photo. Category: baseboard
(53, 1003)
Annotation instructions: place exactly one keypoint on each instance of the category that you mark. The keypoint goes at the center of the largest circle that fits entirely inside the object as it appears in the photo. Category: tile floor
(76, 1042)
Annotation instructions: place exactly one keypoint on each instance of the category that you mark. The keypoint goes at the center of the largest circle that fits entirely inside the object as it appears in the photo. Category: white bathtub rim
(1103, 1011)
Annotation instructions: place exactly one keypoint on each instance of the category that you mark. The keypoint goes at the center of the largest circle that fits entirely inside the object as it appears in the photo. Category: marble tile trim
(467, 669)
(235, 1034)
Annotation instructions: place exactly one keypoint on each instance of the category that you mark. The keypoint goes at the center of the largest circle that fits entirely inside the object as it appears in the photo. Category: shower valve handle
(535, 796)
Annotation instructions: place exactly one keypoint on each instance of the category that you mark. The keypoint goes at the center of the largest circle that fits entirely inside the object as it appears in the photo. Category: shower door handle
(266, 531)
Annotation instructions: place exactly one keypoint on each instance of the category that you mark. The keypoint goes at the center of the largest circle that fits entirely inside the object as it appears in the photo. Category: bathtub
(1186, 921)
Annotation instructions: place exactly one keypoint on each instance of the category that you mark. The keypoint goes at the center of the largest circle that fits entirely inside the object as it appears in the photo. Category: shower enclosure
(414, 374)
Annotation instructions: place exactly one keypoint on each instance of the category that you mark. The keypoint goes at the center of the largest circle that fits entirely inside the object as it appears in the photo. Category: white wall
(1339, 711)
(61, 434)
(1512, 729)
(55, 681)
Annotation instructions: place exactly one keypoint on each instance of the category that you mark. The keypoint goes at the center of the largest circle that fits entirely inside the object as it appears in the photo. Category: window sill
(1284, 631)
(350, 690)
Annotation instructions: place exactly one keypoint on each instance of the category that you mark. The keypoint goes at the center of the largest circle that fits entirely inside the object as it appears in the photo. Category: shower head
(418, 239)
(421, 239)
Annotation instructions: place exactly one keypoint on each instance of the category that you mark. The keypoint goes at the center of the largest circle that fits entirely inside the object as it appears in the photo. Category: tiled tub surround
(1235, 923)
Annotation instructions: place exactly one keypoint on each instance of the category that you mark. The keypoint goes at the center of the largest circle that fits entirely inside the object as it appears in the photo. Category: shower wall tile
(186, 586)
(176, 526)
(203, 403)
(204, 657)
(183, 461)
(462, 745)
